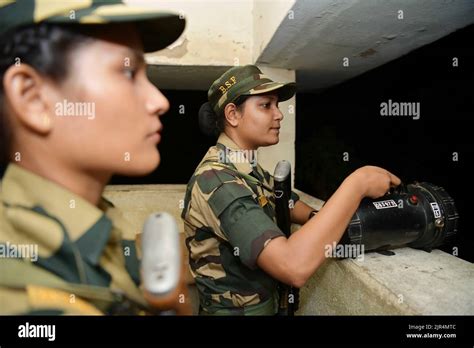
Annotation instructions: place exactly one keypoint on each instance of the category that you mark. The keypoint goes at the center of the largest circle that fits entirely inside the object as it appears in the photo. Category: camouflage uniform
(228, 220)
(229, 214)
(64, 235)
(58, 253)
(243, 81)
(157, 29)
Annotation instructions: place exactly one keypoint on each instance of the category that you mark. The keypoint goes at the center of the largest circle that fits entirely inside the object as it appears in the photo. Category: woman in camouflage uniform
(237, 252)
(76, 108)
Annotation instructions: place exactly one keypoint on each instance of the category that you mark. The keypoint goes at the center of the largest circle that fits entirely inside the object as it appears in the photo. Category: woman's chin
(273, 140)
(142, 166)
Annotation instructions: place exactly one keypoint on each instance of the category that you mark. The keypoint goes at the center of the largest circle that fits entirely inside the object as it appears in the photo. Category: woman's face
(259, 124)
(116, 126)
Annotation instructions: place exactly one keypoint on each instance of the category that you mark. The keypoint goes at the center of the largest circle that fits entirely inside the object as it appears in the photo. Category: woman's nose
(278, 114)
(157, 103)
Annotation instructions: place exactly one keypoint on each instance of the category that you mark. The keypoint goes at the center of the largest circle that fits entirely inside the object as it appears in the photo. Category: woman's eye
(130, 73)
(266, 105)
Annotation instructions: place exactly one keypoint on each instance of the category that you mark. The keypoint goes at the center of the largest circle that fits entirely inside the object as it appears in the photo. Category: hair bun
(208, 120)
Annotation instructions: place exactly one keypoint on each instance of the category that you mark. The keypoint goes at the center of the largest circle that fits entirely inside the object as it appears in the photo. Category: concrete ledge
(314, 202)
(409, 282)
(138, 201)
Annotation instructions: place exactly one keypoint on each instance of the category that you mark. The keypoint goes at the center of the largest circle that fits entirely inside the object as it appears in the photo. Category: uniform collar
(241, 166)
(82, 220)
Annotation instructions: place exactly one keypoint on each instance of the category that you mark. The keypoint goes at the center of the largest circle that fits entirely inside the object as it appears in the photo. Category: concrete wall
(319, 35)
(267, 17)
(410, 282)
(217, 33)
(236, 35)
(137, 202)
(230, 32)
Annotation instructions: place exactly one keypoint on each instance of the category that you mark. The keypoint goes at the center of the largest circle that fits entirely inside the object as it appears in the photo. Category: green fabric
(78, 262)
(224, 195)
(210, 179)
(264, 308)
(19, 274)
(157, 28)
(226, 230)
(81, 244)
(245, 80)
(248, 228)
(132, 262)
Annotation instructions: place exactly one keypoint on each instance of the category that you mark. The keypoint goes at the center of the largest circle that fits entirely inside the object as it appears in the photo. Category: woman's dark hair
(46, 48)
(212, 124)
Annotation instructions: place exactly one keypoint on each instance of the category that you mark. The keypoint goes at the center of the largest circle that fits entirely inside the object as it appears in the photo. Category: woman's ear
(232, 115)
(25, 92)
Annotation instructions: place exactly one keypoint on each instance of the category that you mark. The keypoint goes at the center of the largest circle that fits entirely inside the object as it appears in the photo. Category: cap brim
(285, 91)
(158, 29)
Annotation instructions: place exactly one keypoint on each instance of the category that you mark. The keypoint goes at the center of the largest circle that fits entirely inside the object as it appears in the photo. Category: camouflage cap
(157, 28)
(245, 80)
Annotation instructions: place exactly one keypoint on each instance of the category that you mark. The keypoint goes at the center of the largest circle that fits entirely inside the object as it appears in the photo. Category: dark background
(346, 118)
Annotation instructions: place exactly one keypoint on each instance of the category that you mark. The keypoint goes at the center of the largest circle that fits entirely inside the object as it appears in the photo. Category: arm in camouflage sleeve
(243, 221)
(295, 259)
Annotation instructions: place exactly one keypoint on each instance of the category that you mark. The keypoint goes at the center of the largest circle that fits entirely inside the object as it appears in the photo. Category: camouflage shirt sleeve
(243, 221)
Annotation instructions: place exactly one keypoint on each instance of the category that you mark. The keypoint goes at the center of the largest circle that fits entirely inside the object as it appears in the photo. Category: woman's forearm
(295, 259)
(308, 245)
(300, 213)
